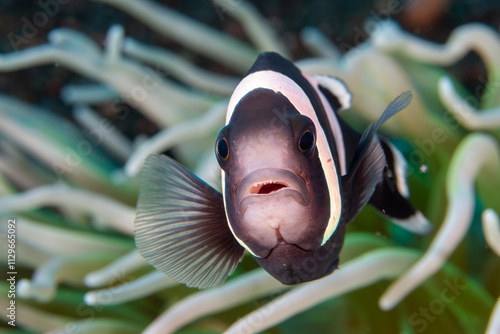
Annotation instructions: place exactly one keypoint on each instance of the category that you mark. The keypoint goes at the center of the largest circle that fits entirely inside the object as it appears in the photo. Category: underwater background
(89, 88)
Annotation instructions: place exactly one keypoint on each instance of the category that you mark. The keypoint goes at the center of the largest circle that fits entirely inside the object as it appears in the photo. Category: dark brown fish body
(293, 175)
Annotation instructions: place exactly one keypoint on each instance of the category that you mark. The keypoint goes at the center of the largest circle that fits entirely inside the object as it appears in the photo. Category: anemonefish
(293, 175)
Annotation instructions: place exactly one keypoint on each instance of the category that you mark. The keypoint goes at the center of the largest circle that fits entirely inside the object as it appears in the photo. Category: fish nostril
(279, 237)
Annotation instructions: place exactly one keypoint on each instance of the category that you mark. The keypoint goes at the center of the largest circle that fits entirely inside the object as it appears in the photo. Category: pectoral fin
(360, 182)
(181, 227)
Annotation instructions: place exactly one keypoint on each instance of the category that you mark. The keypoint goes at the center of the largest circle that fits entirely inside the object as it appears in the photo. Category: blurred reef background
(344, 22)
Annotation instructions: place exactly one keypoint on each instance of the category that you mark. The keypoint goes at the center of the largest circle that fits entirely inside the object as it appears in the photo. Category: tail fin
(390, 197)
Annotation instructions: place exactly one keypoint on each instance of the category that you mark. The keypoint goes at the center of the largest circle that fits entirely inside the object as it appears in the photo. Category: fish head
(274, 187)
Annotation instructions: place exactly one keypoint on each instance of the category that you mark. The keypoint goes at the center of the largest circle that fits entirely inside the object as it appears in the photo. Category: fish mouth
(268, 184)
(267, 187)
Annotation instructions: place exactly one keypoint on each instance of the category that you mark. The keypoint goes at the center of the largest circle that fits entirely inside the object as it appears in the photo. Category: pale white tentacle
(494, 322)
(194, 128)
(54, 240)
(114, 44)
(70, 39)
(258, 29)
(180, 68)
(473, 36)
(355, 274)
(87, 94)
(468, 116)
(103, 132)
(190, 33)
(491, 228)
(475, 151)
(132, 290)
(43, 284)
(115, 270)
(55, 154)
(42, 287)
(17, 167)
(107, 211)
(34, 319)
(247, 287)
(164, 101)
(319, 44)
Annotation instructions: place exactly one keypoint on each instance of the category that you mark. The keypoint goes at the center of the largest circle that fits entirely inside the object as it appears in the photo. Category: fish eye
(306, 142)
(222, 149)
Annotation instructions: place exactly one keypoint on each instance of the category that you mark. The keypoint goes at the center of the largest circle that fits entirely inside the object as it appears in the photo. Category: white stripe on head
(278, 82)
(274, 81)
(332, 119)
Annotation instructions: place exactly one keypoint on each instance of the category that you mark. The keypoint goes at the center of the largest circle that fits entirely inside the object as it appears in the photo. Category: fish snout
(271, 182)
(273, 207)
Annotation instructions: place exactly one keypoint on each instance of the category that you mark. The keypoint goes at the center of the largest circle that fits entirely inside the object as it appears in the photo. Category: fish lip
(294, 187)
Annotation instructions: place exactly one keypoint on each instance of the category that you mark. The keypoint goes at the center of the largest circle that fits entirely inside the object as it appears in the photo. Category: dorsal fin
(367, 166)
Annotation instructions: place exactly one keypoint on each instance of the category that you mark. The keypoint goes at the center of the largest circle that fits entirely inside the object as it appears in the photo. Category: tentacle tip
(116, 30)
(24, 288)
(491, 229)
(308, 33)
(43, 294)
(385, 304)
(54, 36)
(386, 35)
(131, 168)
(92, 280)
(120, 176)
(445, 84)
(114, 42)
(489, 215)
(90, 299)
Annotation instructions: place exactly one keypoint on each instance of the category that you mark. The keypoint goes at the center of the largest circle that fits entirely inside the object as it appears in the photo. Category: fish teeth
(256, 188)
